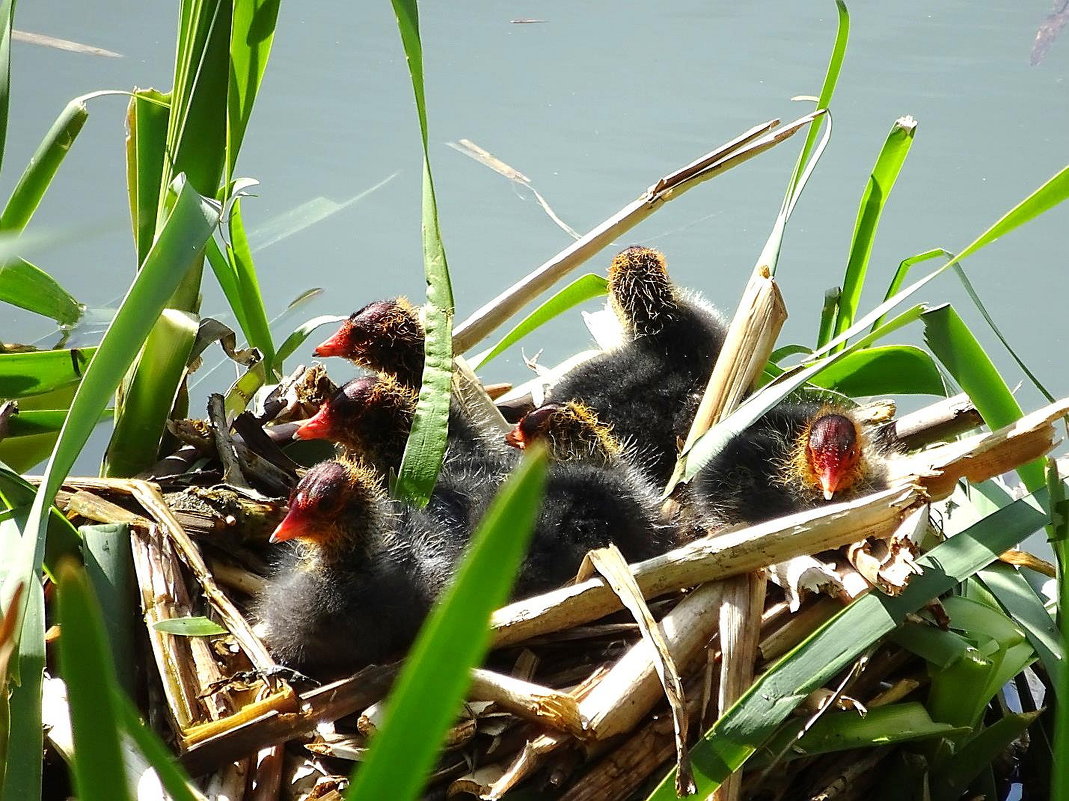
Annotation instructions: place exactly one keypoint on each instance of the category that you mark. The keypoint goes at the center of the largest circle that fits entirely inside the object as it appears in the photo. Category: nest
(573, 696)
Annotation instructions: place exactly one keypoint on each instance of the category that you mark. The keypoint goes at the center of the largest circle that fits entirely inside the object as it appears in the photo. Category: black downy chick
(388, 337)
(797, 456)
(358, 583)
(594, 496)
(648, 388)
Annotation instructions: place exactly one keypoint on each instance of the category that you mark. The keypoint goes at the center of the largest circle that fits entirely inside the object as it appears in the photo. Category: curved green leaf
(885, 370)
(425, 448)
(31, 288)
(99, 771)
(35, 372)
(42, 168)
(581, 289)
(881, 182)
(453, 640)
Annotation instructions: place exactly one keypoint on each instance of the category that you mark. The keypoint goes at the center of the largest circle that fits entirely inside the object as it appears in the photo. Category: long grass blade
(181, 240)
(247, 297)
(37, 372)
(582, 289)
(454, 639)
(150, 395)
(963, 357)
(99, 771)
(252, 33)
(7, 16)
(885, 370)
(31, 288)
(147, 118)
(42, 168)
(881, 181)
(426, 441)
(731, 741)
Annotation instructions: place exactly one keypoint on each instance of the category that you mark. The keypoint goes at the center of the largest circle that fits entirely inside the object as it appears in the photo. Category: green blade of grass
(827, 89)
(426, 442)
(832, 647)
(21, 753)
(17, 494)
(582, 289)
(455, 638)
(881, 182)
(957, 349)
(36, 372)
(252, 33)
(181, 240)
(42, 168)
(37, 421)
(146, 146)
(109, 568)
(7, 16)
(31, 288)
(1023, 605)
(247, 295)
(298, 337)
(839, 731)
(885, 370)
(903, 270)
(98, 768)
(142, 412)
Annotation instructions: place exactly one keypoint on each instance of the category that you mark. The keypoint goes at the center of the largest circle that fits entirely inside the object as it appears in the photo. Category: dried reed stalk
(526, 700)
(941, 420)
(742, 148)
(610, 563)
(983, 456)
(708, 559)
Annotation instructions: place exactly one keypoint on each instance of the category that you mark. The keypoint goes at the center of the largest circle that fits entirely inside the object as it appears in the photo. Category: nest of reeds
(593, 689)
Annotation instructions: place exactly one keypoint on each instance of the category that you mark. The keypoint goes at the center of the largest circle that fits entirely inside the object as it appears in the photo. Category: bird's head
(829, 455)
(386, 336)
(334, 507)
(371, 415)
(570, 431)
(640, 291)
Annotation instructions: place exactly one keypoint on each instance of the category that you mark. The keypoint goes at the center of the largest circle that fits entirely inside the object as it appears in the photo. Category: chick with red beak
(833, 453)
(386, 336)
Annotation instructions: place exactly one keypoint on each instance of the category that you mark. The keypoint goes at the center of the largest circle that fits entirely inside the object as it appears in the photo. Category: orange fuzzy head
(640, 291)
(830, 452)
(385, 335)
(570, 431)
(334, 505)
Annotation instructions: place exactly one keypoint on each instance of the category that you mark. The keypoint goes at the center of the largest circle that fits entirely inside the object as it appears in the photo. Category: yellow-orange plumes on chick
(829, 454)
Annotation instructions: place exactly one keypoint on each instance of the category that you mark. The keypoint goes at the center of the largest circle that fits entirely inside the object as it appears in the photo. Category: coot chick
(797, 456)
(594, 496)
(648, 388)
(385, 336)
(360, 580)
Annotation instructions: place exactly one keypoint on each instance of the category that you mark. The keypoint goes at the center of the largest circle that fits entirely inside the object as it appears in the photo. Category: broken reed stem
(744, 598)
(742, 148)
(659, 659)
(631, 688)
(526, 700)
(749, 342)
(729, 554)
(941, 420)
(156, 575)
(983, 456)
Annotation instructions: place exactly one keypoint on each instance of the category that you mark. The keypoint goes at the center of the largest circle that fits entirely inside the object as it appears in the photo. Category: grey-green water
(593, 102)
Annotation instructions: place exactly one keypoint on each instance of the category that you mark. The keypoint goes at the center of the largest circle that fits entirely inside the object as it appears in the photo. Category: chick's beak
(829, 481)
(315, 427)
(516, 438)
(336, 345)
(292, 526)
